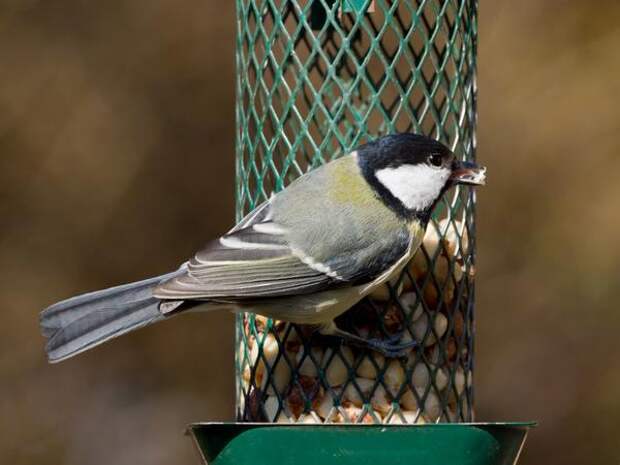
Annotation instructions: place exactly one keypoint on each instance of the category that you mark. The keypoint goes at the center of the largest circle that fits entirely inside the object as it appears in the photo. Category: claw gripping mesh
(315, 78)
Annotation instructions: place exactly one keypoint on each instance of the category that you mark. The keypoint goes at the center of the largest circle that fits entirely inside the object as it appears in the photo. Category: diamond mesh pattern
(313, 82)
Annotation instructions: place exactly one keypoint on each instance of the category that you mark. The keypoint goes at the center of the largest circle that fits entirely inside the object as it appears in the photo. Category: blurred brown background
(116, 162)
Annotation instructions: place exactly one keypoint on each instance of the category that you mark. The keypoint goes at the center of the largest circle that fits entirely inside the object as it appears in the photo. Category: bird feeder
(316, 78)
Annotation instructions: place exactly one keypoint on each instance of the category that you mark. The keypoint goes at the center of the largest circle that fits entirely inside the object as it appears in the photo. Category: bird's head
(410, 172)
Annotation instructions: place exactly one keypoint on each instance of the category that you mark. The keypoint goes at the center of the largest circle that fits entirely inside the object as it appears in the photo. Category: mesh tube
(315, 79)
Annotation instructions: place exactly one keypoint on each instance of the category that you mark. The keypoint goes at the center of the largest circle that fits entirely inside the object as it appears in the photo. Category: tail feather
(80, 323)
(99, 326)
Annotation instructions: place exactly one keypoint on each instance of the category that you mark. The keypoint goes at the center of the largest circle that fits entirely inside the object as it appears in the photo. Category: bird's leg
(387, 347)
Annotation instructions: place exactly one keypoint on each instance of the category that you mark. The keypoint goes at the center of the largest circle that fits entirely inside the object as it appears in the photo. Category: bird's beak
(466, 172)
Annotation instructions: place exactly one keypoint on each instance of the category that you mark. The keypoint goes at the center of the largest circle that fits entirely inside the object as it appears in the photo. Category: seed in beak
(465, 172)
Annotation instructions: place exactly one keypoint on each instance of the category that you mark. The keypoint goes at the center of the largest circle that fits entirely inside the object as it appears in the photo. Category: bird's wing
(327, 229)
(257, 260)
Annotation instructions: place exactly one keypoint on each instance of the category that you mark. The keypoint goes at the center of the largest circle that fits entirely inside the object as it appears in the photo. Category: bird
(305, 256)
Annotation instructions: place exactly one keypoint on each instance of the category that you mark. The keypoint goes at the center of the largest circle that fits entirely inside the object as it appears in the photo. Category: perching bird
(305, 256)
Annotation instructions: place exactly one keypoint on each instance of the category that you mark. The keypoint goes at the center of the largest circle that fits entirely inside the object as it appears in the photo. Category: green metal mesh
(315, 78)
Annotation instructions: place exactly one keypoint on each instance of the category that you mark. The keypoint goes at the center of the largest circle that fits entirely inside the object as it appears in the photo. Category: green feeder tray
(282, 444)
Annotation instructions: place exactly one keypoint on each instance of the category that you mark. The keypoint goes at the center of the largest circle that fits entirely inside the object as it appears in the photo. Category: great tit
(305, 256)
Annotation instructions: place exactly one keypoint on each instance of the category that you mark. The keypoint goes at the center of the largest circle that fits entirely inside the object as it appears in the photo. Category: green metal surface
(445, 444)
(355, 6)
(315, 78)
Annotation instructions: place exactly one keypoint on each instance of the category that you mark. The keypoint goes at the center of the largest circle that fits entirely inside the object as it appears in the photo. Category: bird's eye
(435, 159)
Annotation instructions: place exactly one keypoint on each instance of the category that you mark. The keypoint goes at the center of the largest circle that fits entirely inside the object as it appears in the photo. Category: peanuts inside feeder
(290, 375)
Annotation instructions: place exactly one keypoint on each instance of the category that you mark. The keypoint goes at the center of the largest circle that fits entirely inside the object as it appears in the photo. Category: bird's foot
(389, 347)
(391, 350)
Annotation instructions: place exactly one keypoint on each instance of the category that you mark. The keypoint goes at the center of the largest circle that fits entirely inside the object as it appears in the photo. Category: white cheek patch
(416, 186)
